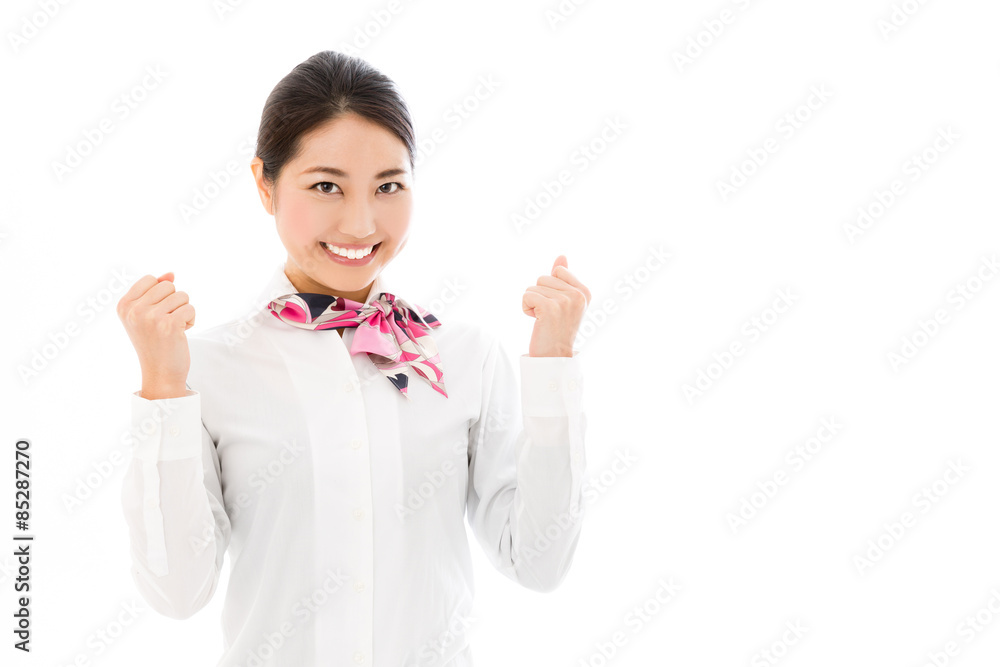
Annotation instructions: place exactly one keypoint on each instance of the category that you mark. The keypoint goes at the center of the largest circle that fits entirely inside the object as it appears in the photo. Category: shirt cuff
(551, 386)
(165, 429)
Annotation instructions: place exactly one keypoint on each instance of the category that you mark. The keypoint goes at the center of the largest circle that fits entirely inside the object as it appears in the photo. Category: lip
(352, 262)
(350, 246)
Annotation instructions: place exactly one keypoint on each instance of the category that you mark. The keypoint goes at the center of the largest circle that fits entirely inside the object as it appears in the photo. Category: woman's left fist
(557, 303)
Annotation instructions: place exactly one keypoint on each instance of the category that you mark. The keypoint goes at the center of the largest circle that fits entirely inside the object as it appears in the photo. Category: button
(359, 657)
(151, 504)
(348, 387)
(359, 586)
(553, 386)
(359, 514)
(572, 385)
(174, 430)
(355, 443)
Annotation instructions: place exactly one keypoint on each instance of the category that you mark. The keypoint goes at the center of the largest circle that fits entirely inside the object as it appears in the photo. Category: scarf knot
(394, 334)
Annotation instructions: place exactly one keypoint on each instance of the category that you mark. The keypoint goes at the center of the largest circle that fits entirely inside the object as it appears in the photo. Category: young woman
(338, 470)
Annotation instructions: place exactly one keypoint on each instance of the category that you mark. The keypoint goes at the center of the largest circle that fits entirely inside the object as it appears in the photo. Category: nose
(359, 217)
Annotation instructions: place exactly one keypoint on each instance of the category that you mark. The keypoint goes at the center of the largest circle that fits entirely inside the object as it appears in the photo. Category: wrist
(154, 388)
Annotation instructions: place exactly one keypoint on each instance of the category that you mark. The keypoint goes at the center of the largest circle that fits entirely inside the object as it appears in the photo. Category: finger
(554, 283)
(158, 292)
(172, 302)
(184, 314)
(562, 285)
(138, 288)
(563, 273)
(532, 300)
(542, 293)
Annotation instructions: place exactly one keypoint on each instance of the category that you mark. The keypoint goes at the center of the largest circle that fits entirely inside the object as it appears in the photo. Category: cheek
(397, 221)
(298, 218)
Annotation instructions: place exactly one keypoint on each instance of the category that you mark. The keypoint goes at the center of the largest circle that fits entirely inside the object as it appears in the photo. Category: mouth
(350, 257)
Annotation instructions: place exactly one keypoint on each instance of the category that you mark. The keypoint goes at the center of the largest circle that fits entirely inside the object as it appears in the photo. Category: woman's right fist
(156, 316)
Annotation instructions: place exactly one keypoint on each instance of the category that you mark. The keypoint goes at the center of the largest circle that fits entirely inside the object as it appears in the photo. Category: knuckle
(163, 326)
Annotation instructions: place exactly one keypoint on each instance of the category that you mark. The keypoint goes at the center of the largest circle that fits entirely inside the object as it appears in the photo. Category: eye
(400, 187)
(324, 191)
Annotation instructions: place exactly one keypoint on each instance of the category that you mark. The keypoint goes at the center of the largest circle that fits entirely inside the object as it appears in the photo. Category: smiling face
(349, 186)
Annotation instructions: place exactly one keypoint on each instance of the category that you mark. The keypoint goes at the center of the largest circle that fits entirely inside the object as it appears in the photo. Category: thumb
(169, 275)
(563, 262)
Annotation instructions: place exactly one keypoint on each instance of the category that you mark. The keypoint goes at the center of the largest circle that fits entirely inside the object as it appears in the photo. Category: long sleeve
(525, 496)
(173, 505)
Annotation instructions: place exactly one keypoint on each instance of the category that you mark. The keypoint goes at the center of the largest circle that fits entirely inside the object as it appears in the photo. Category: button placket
(351, 400)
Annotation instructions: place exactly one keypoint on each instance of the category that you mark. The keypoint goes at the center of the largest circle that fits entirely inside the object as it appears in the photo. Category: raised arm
(172, 500)
(525, 499)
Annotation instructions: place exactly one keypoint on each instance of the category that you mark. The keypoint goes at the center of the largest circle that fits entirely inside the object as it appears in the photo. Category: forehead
(353, 144)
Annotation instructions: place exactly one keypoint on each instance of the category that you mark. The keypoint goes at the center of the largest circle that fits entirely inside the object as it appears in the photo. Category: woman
(338, 470)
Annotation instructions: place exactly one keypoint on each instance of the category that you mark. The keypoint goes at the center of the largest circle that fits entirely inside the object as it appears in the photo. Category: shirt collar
(280, 285)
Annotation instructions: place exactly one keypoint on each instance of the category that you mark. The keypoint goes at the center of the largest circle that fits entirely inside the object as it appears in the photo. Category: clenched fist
(156, 316)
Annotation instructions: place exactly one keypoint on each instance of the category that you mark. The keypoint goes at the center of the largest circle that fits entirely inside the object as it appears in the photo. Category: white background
(686, 128)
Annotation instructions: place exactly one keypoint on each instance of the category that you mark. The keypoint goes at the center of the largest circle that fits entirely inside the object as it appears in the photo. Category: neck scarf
(394, 333)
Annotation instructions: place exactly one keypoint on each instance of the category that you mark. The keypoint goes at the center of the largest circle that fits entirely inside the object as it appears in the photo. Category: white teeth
(349, 254)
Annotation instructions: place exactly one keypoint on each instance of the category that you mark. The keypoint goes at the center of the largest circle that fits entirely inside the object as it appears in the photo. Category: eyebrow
(333, 171)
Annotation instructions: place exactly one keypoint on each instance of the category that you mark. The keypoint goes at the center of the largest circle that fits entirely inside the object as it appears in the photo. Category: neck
(303, 283)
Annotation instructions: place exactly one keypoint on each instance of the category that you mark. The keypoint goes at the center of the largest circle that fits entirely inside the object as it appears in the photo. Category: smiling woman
(341, 223)
(340, 497)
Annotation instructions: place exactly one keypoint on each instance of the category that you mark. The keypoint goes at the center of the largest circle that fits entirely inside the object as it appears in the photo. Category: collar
(280, 285)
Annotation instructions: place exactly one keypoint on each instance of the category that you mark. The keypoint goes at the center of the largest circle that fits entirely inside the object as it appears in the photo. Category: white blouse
(342, 505)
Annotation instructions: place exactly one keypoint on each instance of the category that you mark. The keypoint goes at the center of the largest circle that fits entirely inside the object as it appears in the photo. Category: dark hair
(319, 89)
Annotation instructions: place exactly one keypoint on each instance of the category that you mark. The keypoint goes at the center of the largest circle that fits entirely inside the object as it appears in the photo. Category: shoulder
(246, 330)
(470, 341)
(226, 337)
(229, 349)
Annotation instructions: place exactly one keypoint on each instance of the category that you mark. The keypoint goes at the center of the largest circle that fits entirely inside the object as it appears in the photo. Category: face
(350, 186)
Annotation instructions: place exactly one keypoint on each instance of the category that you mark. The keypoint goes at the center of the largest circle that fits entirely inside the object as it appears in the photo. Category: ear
(257, 167)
